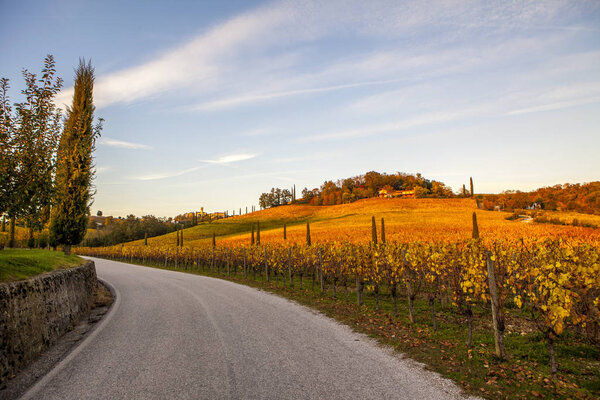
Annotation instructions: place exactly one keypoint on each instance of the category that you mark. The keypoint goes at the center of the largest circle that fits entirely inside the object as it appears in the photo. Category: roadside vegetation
(19, 264)
(46, 161)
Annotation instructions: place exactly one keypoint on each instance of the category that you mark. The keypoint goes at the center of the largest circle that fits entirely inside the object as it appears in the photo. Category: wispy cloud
(231, 158)
(165, 175)
(555, 98)
(243, 54)
(256, 97)
(425, 119)
(102, 169)
(122, 144)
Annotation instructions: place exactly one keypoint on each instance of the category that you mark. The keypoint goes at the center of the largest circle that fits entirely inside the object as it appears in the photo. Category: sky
(210, 103)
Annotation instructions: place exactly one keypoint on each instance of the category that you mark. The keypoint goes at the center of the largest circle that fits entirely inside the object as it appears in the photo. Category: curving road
(171, 335)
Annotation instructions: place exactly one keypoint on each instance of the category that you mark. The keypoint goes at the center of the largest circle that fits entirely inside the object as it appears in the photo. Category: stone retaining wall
(34, 313)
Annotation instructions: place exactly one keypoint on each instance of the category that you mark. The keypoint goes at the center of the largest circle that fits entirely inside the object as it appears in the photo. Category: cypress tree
(214, 241)
(177, 232)
(464, 191)
(472, 192)
(252, 237)
(73, 182)
(475, 227)
(382, 231)
(307, 234)
(181, 238)
(146, 239)
(258, 232)
(284, 232)
(373, 230)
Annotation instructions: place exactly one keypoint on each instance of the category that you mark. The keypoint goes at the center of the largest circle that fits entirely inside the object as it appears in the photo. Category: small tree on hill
(74, 172)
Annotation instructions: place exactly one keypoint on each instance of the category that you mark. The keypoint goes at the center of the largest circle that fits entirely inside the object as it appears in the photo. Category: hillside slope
(405, 220)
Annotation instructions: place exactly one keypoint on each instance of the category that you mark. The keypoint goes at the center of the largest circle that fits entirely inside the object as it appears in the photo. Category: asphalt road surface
(171, 335)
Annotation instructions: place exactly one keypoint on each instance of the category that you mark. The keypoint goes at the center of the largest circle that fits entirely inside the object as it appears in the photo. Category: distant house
(388, 194)
(99, 221)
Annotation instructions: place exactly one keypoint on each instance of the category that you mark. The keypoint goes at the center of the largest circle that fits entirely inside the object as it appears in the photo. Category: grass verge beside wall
(19, 264)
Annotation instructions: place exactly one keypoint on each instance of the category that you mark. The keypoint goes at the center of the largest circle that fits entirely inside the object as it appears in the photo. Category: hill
(405, 220)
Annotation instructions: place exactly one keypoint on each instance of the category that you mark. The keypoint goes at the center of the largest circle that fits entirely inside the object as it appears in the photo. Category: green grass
(525, 374)
(19, 264)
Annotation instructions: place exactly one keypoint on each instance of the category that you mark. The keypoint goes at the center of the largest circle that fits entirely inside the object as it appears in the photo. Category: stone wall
(34, 313)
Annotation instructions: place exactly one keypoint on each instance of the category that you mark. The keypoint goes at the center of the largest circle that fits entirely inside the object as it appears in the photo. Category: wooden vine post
(497, 319)
(289, 263)
(267, 267)
(245, 263)
(228, 260)
(321, 277)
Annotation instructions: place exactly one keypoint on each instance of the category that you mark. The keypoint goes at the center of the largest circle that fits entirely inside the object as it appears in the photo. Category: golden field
(406, 220)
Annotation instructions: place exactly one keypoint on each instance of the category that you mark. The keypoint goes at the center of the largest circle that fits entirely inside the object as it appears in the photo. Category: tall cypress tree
(73, 183)
(472, 191)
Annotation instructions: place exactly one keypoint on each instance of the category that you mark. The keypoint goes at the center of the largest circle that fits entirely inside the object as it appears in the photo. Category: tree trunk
(11, 232)
(469, 314)
(550, 340)
(411, 298)
(67, 249)
(376, 297)
(346, 289)
(359, 291)
(394, 291)
(432, 307)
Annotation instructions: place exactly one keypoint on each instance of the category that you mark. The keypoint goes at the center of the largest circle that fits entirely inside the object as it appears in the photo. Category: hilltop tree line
(115, 230)
(360, 187)
(584, 198)
(45, 159)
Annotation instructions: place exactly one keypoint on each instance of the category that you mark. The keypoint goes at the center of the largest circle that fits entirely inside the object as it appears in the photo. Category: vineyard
(543, 278)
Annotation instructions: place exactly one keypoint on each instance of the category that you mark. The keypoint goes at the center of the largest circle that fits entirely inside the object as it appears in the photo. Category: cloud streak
(165, 175)
(257, 97)
(105, 141)
(231, 158)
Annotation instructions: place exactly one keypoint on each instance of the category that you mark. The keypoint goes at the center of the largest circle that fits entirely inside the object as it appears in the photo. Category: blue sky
(210, 103)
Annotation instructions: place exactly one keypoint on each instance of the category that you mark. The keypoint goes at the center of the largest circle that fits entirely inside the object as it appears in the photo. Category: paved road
(171, 335)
